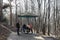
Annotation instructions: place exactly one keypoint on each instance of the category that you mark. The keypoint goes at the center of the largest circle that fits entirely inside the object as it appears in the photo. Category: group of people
(25, 28)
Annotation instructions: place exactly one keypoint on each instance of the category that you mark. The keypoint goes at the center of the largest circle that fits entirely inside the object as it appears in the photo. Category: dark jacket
(17, 25)
(24, 26)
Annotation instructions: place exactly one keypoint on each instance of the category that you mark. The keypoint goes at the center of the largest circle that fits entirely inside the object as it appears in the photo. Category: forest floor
(22, 36)
(6, 33)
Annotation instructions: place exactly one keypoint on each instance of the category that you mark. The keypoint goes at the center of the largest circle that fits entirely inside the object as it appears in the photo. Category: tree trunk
(1, 14)
(10, 13)
(49, 17)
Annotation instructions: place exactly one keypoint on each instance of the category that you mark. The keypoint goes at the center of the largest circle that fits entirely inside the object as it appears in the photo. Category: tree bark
(49, 17)
(1, 14)
(10, 13)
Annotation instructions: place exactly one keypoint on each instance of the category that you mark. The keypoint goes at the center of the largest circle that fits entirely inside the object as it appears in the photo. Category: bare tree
(56, 11)
(16, 11)
(10, 12)
(39, 11)
(48, 17)
(1, 14)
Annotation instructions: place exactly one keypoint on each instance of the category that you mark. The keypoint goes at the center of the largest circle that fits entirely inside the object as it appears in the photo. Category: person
(30, 27)
(24, 27)
(17, 26)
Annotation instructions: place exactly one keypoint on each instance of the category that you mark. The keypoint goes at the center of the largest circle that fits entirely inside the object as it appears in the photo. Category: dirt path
(22, 36)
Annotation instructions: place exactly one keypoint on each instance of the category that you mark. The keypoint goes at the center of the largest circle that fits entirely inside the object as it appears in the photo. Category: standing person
(17, 26)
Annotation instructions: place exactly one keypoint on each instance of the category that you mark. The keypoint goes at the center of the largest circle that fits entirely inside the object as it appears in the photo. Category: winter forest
(48, 12)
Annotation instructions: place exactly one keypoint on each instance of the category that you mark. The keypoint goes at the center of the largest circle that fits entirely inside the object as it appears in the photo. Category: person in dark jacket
(17, 26)
(24, 27)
